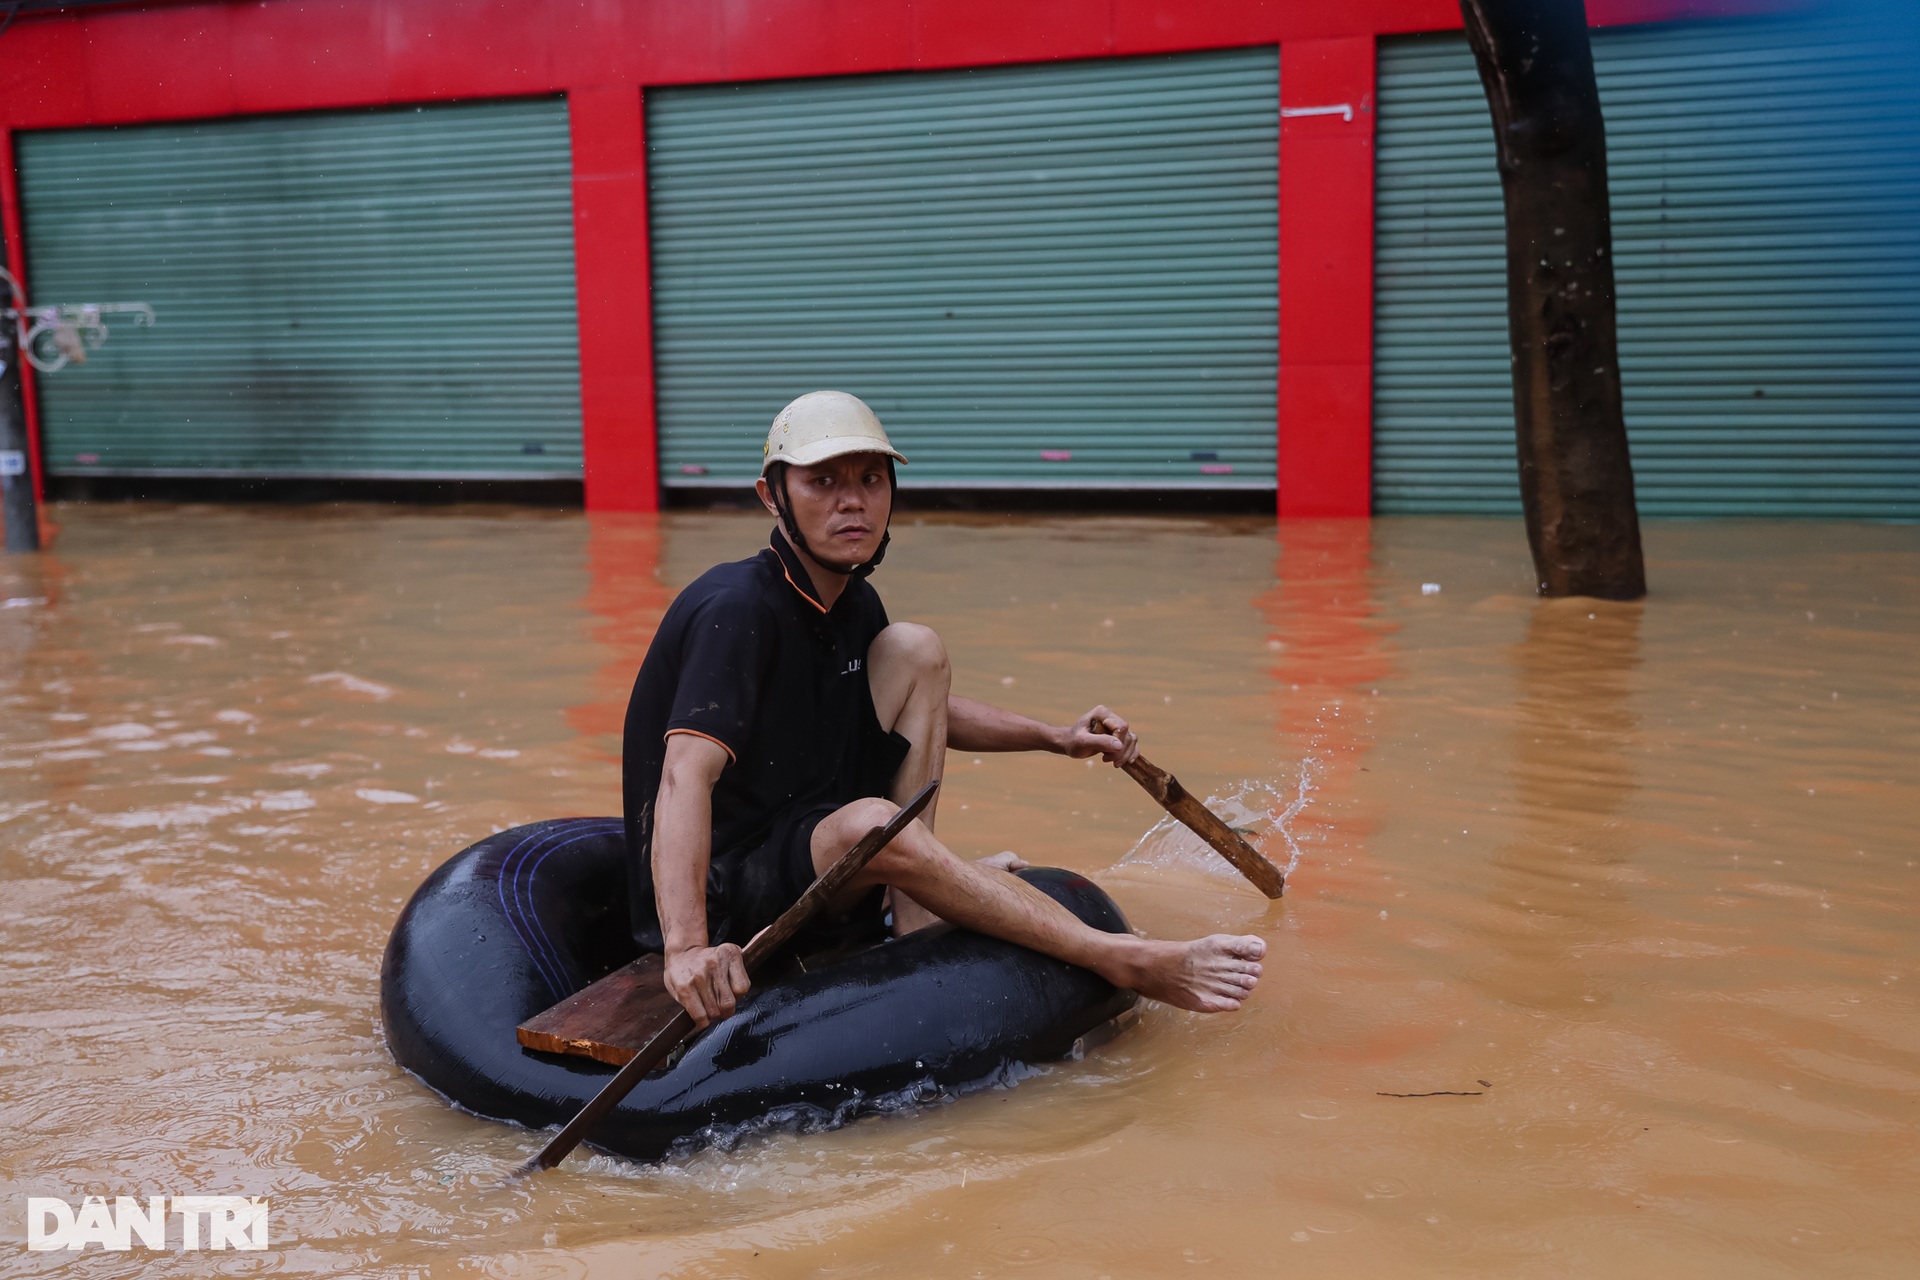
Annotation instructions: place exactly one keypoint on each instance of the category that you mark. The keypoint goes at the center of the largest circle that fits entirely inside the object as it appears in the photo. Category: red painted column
(613, 283)
(1326, 277)
(13, 231)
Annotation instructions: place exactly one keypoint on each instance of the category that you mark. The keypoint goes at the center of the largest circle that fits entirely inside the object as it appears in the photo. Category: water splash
(1261, 809)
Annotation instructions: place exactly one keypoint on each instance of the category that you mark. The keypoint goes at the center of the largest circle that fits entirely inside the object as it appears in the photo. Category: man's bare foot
(1005, 860)
(1208, 975)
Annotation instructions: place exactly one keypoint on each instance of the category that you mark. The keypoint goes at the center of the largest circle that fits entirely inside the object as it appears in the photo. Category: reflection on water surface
(1634, 879)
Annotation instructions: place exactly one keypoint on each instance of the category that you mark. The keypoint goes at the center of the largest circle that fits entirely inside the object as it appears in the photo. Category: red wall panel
(959, 33)
(611, 274)
(778, 38)
(511, 40)
(675, 43)
(591, 41)
(306, 52)
(43, 74)
(1326, 277)
(176, 60)
(176, 55)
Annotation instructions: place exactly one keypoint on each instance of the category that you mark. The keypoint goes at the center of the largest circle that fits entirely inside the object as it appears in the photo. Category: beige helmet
(825, 424)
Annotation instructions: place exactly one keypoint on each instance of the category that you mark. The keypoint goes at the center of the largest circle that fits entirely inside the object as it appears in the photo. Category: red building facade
(130, 65)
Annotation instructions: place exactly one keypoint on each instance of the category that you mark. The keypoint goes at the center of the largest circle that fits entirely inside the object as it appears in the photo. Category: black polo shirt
(748, 657)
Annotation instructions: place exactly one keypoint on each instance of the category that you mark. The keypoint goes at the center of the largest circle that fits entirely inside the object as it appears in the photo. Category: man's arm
(705, 980)
(977, 726)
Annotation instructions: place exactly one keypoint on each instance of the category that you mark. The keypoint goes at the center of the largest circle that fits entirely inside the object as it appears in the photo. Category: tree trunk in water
(1576, 481)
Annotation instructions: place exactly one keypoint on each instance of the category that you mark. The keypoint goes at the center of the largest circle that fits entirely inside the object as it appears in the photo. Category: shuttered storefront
(383, 293)
(1766, 217)
(1058, 275)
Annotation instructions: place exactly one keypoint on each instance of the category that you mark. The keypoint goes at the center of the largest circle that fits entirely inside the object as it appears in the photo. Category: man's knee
(838, 831)
(910, 646)
(852, 821)
(863, 816)
(910, 852)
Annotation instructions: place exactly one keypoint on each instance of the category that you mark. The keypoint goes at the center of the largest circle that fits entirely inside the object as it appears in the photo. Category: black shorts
(748, 889)
(757, 885)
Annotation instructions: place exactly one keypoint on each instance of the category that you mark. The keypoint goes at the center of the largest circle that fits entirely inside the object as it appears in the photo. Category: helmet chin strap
(781, 504)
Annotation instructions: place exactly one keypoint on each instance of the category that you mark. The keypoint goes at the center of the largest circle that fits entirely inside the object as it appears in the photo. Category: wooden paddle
(1199, 819)
(763, 946)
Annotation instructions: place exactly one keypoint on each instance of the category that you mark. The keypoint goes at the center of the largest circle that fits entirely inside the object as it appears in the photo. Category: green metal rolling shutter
(380, 293)
(1059, 275)
(1766, 217)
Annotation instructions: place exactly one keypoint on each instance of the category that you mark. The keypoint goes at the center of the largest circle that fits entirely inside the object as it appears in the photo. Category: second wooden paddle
(1202, 821)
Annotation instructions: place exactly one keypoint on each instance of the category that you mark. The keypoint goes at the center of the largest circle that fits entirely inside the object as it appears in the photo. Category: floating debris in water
(1434, 1093)
(355, 684)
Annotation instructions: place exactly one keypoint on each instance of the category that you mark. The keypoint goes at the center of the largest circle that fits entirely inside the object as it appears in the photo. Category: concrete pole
(16, 477)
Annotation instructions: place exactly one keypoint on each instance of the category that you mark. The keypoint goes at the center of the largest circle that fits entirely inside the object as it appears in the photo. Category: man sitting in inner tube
(779, 716)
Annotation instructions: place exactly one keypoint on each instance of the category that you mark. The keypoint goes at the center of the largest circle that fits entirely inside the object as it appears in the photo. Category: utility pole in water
(16, 477)
(49, 339)
(1576, 478)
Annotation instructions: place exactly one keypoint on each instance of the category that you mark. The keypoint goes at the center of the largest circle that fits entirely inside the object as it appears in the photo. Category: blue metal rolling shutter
(1059, 275)
(1766, 217)
(368, 293)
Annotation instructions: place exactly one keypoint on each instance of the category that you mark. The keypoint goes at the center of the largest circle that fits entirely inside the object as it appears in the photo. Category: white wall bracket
(1342, 109)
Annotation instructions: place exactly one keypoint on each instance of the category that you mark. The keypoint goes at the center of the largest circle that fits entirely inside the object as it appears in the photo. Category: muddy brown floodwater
(1636, 880)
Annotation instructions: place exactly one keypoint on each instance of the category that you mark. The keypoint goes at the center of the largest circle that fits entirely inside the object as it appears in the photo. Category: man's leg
(908, 672)
(1210, 975)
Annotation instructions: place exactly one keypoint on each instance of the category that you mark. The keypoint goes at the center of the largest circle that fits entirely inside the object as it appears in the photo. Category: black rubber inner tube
(526, 917)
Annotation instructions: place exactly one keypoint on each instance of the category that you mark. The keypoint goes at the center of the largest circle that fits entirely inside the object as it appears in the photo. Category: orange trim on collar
(804, 593)
(695, 733)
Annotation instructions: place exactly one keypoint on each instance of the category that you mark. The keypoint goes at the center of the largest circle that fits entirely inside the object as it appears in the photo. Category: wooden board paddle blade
(1203, 822)
(608, 1021)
